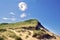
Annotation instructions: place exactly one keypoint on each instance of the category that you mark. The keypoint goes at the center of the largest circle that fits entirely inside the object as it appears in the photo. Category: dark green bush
(4, 23)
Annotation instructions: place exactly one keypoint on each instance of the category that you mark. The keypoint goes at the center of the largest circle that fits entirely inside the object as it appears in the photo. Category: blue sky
(46, 11)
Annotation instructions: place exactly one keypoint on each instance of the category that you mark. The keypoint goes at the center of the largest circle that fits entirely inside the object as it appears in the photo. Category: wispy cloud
(5, 18)
(12, 13)
(22, 6)
(23, 15)
(12, 19)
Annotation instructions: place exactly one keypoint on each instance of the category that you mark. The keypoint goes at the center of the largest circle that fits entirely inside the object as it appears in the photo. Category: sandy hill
(27, 30)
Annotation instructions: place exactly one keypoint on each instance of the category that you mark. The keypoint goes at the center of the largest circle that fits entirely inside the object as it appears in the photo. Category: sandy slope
(24, 34)
(57, 37)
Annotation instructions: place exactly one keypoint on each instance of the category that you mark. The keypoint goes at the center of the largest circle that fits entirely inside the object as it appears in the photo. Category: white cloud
(12, 13)
(22, 6)
(5, 18)
(23, 15)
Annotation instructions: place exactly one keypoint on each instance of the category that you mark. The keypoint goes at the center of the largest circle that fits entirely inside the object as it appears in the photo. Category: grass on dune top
(27, 23)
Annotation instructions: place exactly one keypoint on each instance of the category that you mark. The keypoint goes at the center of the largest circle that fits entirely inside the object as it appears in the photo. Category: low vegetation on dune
(27, 23)
(26, 30)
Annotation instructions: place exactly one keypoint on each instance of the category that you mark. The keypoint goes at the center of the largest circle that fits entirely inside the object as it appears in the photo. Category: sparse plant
(20, 34)
(18, 38)
(38, 34)
(27, 36)
(23, 30)
(3, 30)
(29, 33)
(19, 31)
(1, 38)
